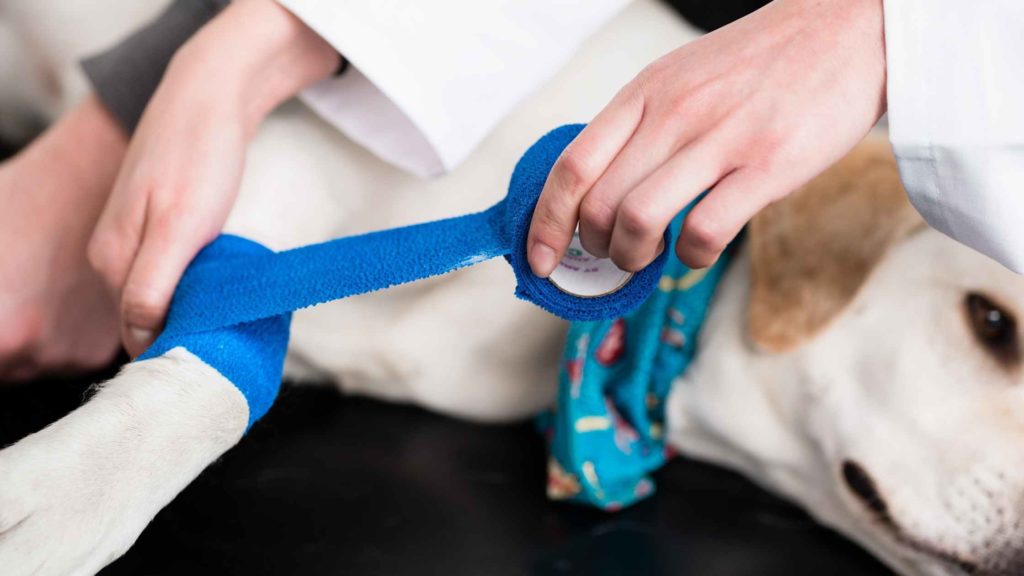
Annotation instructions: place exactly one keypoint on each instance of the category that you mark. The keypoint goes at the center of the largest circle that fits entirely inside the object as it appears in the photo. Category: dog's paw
(58, 514)
(76, 495)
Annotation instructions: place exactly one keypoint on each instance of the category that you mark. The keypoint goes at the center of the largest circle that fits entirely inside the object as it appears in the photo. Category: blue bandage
(232, 307)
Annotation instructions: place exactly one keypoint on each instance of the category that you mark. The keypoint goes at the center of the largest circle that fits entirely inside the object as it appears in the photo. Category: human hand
(751, 111)
(56, 315)
(183, 168)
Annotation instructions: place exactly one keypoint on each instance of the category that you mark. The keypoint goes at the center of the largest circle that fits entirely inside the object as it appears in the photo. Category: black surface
(711, 14)
(329, 485)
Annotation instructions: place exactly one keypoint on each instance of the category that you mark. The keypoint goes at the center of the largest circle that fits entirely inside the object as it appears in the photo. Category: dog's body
(837, 366)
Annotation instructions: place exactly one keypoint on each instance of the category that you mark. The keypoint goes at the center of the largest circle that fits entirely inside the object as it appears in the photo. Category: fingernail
(141, 336)
(543, 260)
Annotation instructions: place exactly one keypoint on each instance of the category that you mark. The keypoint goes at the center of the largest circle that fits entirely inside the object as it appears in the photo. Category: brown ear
(811, 252)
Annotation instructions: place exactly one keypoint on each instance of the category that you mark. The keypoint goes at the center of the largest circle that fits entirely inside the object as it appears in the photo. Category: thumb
(165, 252)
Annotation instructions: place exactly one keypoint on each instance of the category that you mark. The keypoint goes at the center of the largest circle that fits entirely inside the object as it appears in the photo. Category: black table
(329, 485)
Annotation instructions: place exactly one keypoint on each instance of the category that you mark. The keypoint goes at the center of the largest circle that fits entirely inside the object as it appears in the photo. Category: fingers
(720, 215)
(649, 147)
(117, 236)
(140, 247)
(165, 253)
(575, 172)
(116, 240)
(647, 210)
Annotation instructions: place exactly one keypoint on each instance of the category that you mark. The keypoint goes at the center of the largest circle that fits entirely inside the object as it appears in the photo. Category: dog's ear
(812, 251)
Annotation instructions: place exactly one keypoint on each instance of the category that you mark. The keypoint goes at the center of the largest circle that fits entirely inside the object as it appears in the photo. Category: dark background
(333, 485)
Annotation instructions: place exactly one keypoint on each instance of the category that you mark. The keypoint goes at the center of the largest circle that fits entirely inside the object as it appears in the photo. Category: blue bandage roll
(232, 307)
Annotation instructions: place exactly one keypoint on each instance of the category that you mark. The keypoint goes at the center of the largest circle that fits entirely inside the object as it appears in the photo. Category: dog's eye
(994, 327)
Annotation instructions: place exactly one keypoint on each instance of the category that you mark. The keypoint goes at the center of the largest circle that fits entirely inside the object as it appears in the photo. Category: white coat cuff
(429, 80)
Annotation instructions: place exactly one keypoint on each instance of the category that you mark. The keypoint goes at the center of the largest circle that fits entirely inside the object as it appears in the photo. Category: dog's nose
(860, 483)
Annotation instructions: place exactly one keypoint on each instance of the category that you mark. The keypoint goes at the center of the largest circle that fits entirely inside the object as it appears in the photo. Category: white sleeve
(428, 80)
(956, 117)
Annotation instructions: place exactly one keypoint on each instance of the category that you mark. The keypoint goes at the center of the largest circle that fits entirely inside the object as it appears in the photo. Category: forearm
(257, 52)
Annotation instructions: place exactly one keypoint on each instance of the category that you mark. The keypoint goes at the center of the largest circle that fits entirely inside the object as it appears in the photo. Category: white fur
(896, 383)
(76, 495)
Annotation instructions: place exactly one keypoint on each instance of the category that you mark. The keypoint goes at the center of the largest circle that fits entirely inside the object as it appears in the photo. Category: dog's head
(908, 349)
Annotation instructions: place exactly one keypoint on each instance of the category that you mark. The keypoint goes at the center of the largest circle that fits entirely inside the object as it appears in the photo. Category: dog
(853, 361)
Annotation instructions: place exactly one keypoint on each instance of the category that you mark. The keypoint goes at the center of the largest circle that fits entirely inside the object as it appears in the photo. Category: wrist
(258, 53)
(854, 33)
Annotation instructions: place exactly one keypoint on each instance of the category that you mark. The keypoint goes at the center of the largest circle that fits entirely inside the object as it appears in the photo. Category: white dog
(853, 361)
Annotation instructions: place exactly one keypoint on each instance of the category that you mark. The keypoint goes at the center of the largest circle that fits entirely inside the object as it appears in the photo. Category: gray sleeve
(126, 76)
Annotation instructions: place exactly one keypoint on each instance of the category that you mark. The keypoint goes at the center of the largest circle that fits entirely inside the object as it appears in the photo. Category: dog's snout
(860, 483)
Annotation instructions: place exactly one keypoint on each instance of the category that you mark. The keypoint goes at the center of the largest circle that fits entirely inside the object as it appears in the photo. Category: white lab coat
(956, 117)
(426, 83)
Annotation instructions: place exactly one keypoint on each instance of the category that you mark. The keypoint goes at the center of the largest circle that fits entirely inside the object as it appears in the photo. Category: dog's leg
(76, 495)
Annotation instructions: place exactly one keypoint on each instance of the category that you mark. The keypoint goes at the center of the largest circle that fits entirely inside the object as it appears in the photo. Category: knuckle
(99, 253)
(547, 223)
(696, 259)
(142, 307)
(636, 219)
(597, 215)
(649, 73)
(653, 73)
(108, 255)
(703, 234)
(629, 260)
(573, 170)
(680, 105)
(635, 94)
(696, 98)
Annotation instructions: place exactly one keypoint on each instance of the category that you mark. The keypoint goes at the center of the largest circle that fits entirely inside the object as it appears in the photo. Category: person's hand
(56, 316)
(751, 111)
(183, 168)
